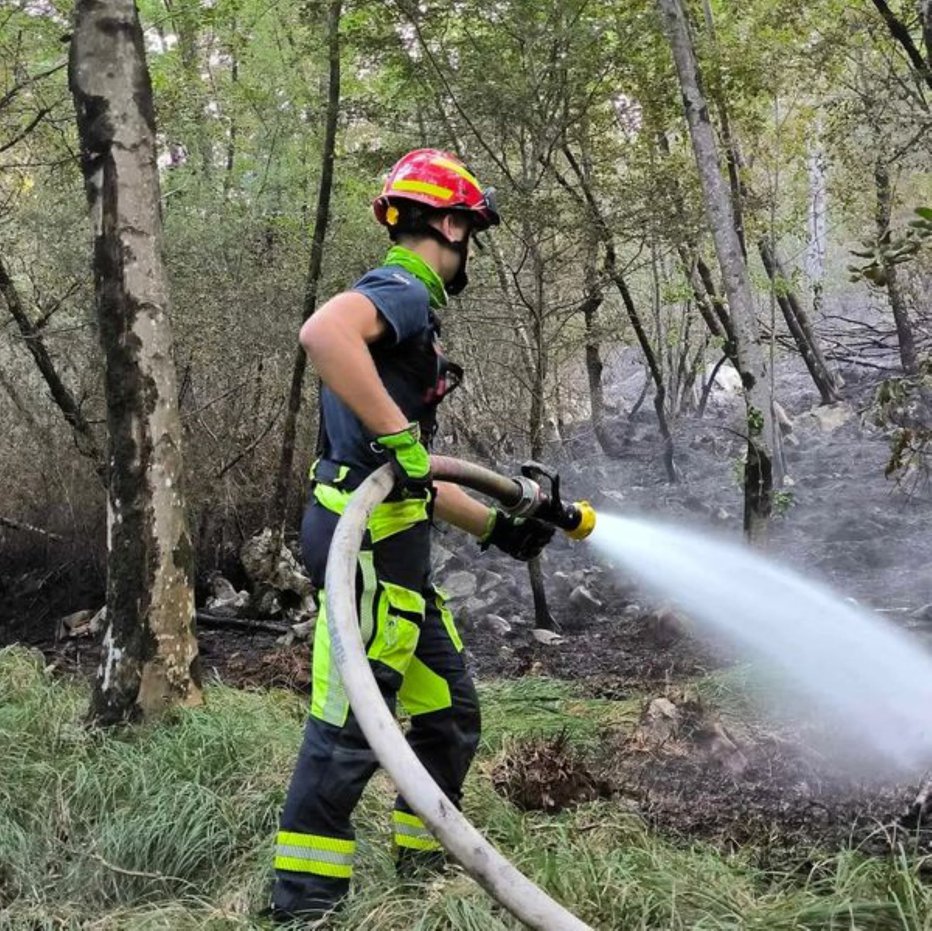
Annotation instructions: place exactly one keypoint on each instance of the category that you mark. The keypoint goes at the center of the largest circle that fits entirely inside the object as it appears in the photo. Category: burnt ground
(847, 525)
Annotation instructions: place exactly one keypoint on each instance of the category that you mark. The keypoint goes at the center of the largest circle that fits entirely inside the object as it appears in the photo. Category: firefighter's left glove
(410, 460)
(521, 538)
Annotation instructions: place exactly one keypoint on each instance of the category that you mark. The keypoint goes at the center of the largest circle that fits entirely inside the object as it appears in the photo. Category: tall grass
(170, 827)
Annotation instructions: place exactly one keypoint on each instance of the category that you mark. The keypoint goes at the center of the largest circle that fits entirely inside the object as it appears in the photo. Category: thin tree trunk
(798, 324)
(185, 25)
(660, 391)
(279, 508)
(84, 437)
(611, 267)
(758, 480)
(904, 330)
(150, 660)
(900, 33)
(925, 14)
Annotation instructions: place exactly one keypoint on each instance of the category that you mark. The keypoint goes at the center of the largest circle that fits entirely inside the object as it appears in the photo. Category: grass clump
(170, 826)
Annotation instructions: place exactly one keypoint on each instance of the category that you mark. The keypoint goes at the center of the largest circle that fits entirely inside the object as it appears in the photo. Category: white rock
(460, 584)
(498, 624)
(548, 638)
(581, 598)
(831, 417)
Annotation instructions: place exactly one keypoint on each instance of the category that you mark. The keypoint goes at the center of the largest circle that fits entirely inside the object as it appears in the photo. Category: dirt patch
(750, 784)
(546, 775)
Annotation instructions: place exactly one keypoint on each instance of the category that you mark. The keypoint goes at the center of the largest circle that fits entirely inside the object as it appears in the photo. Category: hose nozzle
(576, 520)
(580, 520)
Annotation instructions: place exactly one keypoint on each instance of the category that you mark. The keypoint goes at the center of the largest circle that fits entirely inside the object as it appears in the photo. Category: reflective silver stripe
(411, 831)
(314, 853)
(370, 586)
(336, 705)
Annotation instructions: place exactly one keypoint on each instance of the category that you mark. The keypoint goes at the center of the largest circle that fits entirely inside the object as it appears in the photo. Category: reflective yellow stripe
(455, 166)
(422, 187)
(411, 832)
(417, 843)
(318, 867)
(387, 519)
(315, 853)
(320, 841)
(404, 817)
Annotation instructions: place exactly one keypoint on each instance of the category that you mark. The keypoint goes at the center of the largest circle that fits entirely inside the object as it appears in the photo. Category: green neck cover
(413, 263)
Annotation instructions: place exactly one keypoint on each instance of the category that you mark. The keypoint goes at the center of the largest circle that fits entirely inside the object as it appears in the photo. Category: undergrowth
(171, 827)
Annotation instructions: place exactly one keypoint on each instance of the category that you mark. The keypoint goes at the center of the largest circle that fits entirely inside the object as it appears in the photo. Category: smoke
(869, 683)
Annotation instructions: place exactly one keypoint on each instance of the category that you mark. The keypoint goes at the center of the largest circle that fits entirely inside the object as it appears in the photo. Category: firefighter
(376, 348)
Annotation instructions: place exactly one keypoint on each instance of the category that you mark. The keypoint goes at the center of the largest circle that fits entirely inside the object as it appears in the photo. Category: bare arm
(456, 507)
(336, 339)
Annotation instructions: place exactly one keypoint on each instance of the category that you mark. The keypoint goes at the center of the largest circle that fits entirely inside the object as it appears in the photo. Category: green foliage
(903, 405)
(170, 827)
(782, 502)
(891, 250)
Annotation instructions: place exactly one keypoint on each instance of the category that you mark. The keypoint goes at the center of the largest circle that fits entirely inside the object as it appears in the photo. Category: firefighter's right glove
(520, 537)
(410, 460)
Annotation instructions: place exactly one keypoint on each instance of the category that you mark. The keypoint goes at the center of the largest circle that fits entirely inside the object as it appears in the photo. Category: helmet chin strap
(461, 247)
(459, 281)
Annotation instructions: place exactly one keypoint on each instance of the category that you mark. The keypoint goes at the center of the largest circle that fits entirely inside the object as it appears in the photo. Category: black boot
(414, 866)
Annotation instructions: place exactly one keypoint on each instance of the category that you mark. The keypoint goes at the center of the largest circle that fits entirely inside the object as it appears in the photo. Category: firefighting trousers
(416, 657)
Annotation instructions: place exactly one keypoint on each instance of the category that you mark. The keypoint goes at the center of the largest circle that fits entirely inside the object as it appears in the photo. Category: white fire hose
(506, 884)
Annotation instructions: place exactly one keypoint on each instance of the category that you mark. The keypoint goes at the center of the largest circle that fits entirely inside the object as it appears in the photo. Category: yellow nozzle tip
(586, 521)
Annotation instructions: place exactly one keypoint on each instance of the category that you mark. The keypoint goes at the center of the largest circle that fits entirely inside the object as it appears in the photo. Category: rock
(489, 581)
(225, 600)
(77, 624)
(660, 719)
(497, 624)
(831, 416)
(719, 746)
(477, 605)
(665, 626)
(99, 620)
(632, 611)
(459, 585)
(924, 613)
(440, 556)
(613, 494)
(783, 419)
(220, 588)
(276, 567)
(583, 600)
(303, 630)
(722, 515)
(548, 638)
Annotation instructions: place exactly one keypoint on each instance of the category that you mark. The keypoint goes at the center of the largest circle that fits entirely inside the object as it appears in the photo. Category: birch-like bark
(149, 661)
(758, 478)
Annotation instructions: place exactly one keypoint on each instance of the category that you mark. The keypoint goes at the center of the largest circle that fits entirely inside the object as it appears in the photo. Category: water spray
(523, 496)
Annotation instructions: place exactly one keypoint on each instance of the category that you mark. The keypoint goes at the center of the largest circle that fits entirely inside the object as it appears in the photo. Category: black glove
(521, 538)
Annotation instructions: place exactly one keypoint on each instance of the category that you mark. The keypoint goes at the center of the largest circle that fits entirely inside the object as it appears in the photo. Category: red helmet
(437, 180)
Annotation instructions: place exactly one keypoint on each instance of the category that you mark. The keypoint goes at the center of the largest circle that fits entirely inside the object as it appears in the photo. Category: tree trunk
(611, 267)
(817, 221)
(925, 13)
(758, 478)
(594, 368)
(660, 391)
(183, 16)
(84, 437)
(150, 660)
(798, 323)
(279, 508)
(904, 329)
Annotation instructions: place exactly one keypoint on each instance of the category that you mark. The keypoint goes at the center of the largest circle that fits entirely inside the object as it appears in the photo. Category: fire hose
(522, 496)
